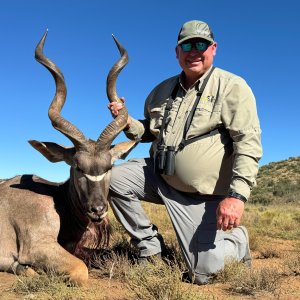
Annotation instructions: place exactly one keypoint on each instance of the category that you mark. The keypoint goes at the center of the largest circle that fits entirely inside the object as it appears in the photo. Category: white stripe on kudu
(95, 178)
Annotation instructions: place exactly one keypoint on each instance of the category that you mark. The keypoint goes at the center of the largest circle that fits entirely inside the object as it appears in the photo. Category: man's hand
(114, 108)
(229, 213)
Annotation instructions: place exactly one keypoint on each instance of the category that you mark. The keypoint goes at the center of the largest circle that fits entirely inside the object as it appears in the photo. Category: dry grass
(232, 271)
(273, 221)
(262, 246)
(246, 281)
(266, 279)
(160, 281)
(48, 286)
(115, 264)
(292, 264)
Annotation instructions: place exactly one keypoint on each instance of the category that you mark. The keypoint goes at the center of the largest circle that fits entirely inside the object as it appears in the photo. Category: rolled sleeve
(136, 130)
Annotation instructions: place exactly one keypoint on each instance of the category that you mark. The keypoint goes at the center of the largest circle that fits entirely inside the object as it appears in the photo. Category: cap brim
(198, 36)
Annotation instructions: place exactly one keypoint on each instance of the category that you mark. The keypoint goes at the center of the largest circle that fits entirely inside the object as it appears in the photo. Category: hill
(278, 183)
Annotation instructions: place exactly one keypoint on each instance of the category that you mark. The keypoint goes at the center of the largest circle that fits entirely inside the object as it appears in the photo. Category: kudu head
(90, 161)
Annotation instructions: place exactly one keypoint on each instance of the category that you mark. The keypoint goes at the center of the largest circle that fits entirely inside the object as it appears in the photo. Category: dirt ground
(115, 290)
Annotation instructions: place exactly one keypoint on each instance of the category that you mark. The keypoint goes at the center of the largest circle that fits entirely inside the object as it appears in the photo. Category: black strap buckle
(181, 145)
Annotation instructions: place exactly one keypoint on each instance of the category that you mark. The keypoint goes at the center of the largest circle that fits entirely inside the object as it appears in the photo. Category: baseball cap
(195, 29)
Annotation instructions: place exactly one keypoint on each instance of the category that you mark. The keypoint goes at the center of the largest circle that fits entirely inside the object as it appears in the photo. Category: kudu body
(42, 222)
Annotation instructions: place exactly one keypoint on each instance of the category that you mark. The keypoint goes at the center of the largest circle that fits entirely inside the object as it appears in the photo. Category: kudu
(42, 222)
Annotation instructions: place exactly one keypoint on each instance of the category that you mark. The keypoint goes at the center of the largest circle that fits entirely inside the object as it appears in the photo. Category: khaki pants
(204, 248)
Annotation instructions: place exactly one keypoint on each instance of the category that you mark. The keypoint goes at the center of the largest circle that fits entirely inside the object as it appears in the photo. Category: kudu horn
(58, 122)
(118, 124)
(74, 134)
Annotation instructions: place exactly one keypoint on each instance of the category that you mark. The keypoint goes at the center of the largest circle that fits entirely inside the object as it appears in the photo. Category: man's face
(195, 62)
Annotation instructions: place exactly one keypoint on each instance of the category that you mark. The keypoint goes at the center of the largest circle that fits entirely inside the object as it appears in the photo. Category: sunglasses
(200, 46)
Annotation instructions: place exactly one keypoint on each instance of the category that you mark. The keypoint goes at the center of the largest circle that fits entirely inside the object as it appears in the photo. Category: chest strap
(185, 142)
(187, 125)
(167, 110)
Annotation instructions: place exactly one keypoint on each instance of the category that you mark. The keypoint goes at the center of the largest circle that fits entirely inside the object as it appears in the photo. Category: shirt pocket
(206, 111)
(204, 108)
(206, 117)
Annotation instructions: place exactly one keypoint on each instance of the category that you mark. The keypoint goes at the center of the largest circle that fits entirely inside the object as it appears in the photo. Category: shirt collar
(197, 84)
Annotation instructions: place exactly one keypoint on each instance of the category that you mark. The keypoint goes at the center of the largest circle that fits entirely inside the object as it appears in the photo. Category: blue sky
(258, 40)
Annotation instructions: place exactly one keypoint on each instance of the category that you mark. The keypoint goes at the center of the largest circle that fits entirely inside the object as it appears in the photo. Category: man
(204, 159)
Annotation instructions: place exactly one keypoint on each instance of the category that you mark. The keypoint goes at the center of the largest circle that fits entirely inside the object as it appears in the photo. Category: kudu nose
(97, 209)
(97, 213)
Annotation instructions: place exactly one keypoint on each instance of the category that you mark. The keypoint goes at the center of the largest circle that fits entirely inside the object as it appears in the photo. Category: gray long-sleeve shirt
(218, 163)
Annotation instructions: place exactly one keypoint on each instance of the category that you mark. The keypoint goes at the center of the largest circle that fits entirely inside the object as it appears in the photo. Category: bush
(257, 281)
(292, 264)
(160, 281)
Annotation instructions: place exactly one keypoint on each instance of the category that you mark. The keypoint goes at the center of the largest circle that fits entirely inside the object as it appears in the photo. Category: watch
(237, 196)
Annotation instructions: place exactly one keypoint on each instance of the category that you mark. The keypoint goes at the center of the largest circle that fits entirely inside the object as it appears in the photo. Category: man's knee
(198, 278)
(120, 181)
(209, 263)
(117, 177)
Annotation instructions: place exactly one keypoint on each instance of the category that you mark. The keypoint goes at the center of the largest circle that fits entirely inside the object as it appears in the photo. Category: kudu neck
(76, 210)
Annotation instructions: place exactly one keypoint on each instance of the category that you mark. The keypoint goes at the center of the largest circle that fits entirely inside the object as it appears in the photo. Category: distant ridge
(278, 182)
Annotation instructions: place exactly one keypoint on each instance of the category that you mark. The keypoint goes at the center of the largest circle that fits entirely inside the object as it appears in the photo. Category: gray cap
(195, 29)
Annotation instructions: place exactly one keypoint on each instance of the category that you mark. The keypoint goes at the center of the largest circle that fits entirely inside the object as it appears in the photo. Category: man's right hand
(114, 108)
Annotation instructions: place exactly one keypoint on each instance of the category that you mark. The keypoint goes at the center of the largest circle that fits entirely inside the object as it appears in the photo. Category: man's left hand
(229, 213)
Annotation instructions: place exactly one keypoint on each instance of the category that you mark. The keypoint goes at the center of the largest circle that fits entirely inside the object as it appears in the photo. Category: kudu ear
(121, 150)
(54, 152)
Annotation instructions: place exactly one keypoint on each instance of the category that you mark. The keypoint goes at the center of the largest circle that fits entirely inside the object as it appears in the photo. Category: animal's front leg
(55, 257)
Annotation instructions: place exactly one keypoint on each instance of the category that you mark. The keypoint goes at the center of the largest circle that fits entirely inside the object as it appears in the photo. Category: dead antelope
(42, 222)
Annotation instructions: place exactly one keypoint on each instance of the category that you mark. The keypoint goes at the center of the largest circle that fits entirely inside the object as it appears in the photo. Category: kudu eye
(77, 168)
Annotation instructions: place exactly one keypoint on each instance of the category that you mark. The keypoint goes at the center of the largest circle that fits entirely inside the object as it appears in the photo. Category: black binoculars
(164, 160)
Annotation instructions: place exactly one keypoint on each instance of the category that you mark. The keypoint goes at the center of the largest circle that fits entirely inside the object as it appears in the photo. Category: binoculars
(164, 160)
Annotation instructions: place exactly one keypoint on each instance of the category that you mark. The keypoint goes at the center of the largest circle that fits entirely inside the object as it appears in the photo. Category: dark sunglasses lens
(201, 46)
(186, 47)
